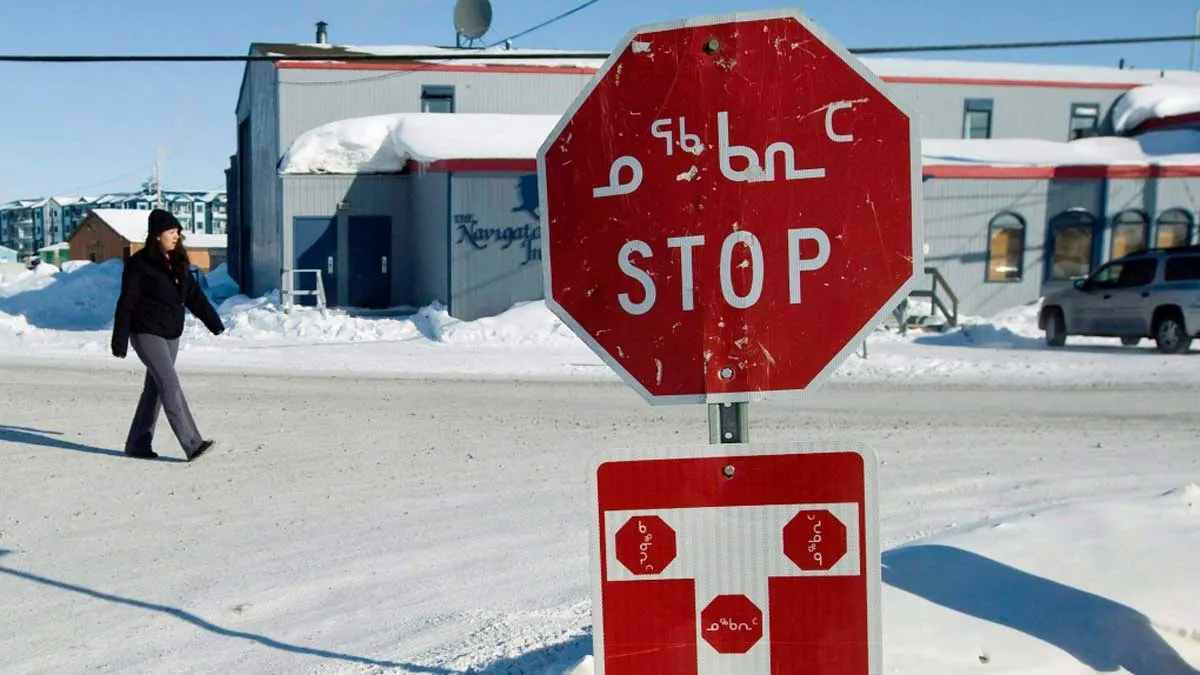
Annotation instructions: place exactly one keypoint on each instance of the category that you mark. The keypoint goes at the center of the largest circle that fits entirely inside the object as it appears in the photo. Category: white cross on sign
(731, 551)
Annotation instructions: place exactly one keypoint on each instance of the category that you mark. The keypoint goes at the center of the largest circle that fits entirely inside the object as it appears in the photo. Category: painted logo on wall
(528, 235)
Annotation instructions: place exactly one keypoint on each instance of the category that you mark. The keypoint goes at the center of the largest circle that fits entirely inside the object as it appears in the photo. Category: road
(355, 525)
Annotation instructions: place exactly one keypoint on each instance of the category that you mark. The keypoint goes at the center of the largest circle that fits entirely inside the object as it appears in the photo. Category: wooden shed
(107, 234)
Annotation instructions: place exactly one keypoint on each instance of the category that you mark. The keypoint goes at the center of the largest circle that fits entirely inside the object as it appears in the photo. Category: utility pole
(158, 198)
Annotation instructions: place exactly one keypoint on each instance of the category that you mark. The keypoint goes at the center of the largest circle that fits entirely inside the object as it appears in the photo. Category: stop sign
(729, 207)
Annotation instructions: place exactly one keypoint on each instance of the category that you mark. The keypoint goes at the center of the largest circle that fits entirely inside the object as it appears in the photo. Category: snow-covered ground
(69, 312)
(349, 526)
(355, 523)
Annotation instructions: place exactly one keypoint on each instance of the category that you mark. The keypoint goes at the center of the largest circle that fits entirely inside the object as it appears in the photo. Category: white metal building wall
(310, 98)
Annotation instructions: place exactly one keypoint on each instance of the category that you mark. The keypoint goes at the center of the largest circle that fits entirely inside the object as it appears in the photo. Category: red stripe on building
(996, 82)
(436, 67)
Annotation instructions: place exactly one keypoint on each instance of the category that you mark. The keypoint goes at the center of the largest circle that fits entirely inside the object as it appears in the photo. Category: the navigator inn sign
(496, 243)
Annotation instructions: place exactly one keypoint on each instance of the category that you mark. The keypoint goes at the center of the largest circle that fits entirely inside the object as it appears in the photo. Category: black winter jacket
(152, 301)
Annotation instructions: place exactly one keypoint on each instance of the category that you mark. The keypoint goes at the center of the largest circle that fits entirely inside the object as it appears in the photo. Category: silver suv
(1153, 293)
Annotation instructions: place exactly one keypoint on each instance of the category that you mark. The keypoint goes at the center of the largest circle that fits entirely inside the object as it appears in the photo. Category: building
(8, 255)
(279, 213)
(30, 225)
(107, 234)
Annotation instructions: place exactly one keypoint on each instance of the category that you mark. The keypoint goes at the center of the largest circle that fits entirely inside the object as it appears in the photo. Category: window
(1006, 248)
(1174, 228)
(977, 118)
(1085, 119)
(1129, 235)
(437, 99)
(1129, 274)
(1183, 268)
(1072, 233)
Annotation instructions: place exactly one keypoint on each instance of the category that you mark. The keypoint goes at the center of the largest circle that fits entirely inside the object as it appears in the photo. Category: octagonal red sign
(729, 208)
(814, 540)
(646, 545)
(732, 624)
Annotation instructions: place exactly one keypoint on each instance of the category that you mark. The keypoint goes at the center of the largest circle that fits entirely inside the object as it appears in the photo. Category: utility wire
(545, 23)
(500, 55)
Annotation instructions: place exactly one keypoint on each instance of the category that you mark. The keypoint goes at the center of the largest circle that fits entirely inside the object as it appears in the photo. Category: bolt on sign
(730, 207)
(752, 561)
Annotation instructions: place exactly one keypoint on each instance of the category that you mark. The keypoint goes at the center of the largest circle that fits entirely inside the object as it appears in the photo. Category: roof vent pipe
(322, 37)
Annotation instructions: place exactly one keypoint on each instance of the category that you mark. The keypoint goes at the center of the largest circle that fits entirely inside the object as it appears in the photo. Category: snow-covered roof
(61, 246)
(129, 223)
(133, 223)
(386, 143)
(1176, 147)
(205, 240)
(886, 67)
(1154, 102)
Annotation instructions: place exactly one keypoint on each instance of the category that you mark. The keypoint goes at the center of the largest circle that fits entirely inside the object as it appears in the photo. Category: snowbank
(1107, 584)
(386, 143)
(69, 314)
(1151, 102)
(1166, 148)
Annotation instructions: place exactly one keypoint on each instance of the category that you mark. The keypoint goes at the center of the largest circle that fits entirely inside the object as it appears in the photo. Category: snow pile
(221, 286)
(1168, 147)
(1108, 584)
(80, 297)
(1152, 102)
(525, 324)
(386, 143)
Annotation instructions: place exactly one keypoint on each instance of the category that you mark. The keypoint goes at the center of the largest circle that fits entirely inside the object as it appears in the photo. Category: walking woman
(156, 286)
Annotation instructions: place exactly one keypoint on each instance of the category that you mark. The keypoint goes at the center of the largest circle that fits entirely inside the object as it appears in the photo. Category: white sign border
(877, 318)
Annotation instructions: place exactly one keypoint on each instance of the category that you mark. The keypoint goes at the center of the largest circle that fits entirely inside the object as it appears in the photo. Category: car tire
(1170, 335)
(1056, 328)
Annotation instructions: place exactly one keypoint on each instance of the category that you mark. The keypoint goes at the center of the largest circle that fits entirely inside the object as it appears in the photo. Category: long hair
(178, 261)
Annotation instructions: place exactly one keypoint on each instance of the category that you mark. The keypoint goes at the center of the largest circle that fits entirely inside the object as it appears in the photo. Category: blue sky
(88, 128)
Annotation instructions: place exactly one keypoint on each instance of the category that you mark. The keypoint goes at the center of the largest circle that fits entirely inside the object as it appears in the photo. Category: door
(314, 242)
(370, 240)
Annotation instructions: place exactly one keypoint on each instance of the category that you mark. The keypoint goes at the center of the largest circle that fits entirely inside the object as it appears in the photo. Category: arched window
(1006, 248)
(1071, 244)
(1130, 232)
(1174, 228)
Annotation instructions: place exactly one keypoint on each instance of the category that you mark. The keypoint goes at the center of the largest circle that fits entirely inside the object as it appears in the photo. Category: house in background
(8, 255)
(108, 234)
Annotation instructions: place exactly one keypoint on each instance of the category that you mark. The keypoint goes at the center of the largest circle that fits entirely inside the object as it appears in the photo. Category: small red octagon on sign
(814, 540)
(732, 624)
(729, 208)
(646, 545)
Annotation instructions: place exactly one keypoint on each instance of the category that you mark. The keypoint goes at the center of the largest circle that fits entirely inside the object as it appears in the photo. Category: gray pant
(160, 390)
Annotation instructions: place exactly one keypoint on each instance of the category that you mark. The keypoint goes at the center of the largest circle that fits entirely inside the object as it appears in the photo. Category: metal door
(314, 242)
(370, 241)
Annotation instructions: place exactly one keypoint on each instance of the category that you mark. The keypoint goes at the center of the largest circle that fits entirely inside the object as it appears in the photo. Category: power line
(500, 55)
(545, 23)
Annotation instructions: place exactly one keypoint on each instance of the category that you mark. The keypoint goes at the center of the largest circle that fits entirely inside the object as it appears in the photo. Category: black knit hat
(161, 221)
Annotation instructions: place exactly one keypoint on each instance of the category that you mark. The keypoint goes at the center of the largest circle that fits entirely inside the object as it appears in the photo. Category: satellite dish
(472, 18)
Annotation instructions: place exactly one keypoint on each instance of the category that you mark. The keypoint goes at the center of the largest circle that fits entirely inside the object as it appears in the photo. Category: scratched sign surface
(773, 571)
(730, 207)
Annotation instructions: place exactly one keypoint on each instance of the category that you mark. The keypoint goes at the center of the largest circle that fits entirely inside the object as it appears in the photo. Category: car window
(1127, 274)
(1182, 268)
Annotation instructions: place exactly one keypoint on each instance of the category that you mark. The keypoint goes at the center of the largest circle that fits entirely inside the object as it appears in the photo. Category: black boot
(204, 447)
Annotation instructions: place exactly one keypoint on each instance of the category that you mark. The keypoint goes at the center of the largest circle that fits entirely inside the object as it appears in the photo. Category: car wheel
(1131, 341)
(1170, 335)
(1056, 329)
